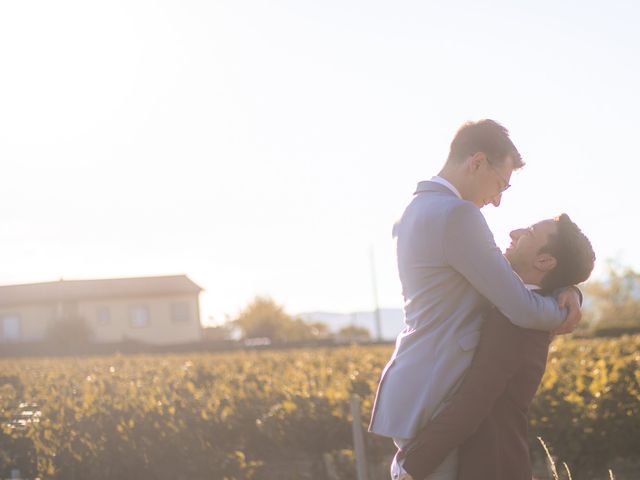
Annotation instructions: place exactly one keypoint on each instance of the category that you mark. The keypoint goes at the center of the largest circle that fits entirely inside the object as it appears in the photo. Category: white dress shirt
(446, 183)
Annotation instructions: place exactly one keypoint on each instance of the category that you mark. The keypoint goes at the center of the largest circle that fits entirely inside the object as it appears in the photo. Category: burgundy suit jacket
(487, 416)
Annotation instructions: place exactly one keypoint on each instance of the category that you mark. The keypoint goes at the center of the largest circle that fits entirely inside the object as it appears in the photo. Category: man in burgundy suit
(487, 417)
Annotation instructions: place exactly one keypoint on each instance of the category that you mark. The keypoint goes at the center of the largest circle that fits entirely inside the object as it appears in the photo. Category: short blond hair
(486, 136)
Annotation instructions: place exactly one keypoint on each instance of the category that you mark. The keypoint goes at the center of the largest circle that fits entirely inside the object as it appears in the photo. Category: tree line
(611, 308)
(264, 318)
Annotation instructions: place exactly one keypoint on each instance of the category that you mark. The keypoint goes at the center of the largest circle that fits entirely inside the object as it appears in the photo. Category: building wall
(161, 328)
(34, 320)
(170, 319)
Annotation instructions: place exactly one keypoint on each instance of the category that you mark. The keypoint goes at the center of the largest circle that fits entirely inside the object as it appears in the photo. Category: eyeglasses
(506, 183)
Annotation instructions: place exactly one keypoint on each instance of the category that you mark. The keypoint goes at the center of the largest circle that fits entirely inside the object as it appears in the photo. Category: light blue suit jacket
(451, 271)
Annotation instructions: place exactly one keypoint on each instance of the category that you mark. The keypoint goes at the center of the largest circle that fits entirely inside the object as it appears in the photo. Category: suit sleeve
(470, 249)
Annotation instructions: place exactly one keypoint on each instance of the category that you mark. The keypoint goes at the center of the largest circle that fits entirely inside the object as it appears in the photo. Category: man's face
(526, 244)
(492, 179)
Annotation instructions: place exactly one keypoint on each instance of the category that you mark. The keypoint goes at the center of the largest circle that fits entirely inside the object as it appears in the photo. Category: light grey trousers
(447, 470)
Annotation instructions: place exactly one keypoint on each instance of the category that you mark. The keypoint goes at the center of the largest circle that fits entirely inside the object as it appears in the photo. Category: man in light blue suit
(451, 271)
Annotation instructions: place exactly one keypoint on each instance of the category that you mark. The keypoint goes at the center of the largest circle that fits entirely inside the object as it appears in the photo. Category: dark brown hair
(573, 253)
(488, 137)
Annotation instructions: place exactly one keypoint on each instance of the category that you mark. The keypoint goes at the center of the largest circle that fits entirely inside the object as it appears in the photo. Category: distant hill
(391, 320)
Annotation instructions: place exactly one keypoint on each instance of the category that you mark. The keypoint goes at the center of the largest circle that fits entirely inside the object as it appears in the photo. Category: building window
(10, 325)
(180, 312)
(139, 316)
(103, 316)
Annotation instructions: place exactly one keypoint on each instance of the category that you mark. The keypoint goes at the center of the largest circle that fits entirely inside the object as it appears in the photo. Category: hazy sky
(265, 147)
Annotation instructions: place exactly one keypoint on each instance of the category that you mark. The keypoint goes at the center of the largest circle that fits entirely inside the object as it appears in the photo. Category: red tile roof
(73, 290)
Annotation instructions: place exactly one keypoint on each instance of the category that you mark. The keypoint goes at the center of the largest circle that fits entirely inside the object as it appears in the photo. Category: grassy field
(277, 414)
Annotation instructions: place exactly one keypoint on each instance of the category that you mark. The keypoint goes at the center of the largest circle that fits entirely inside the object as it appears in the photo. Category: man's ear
(545, 262)
(475, 161)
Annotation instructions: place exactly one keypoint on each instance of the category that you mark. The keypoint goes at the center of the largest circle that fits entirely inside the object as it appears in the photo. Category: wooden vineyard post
(358, 439)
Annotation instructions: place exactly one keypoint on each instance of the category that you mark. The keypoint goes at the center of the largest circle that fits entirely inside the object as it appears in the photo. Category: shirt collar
(529, 286)
(447, 184)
